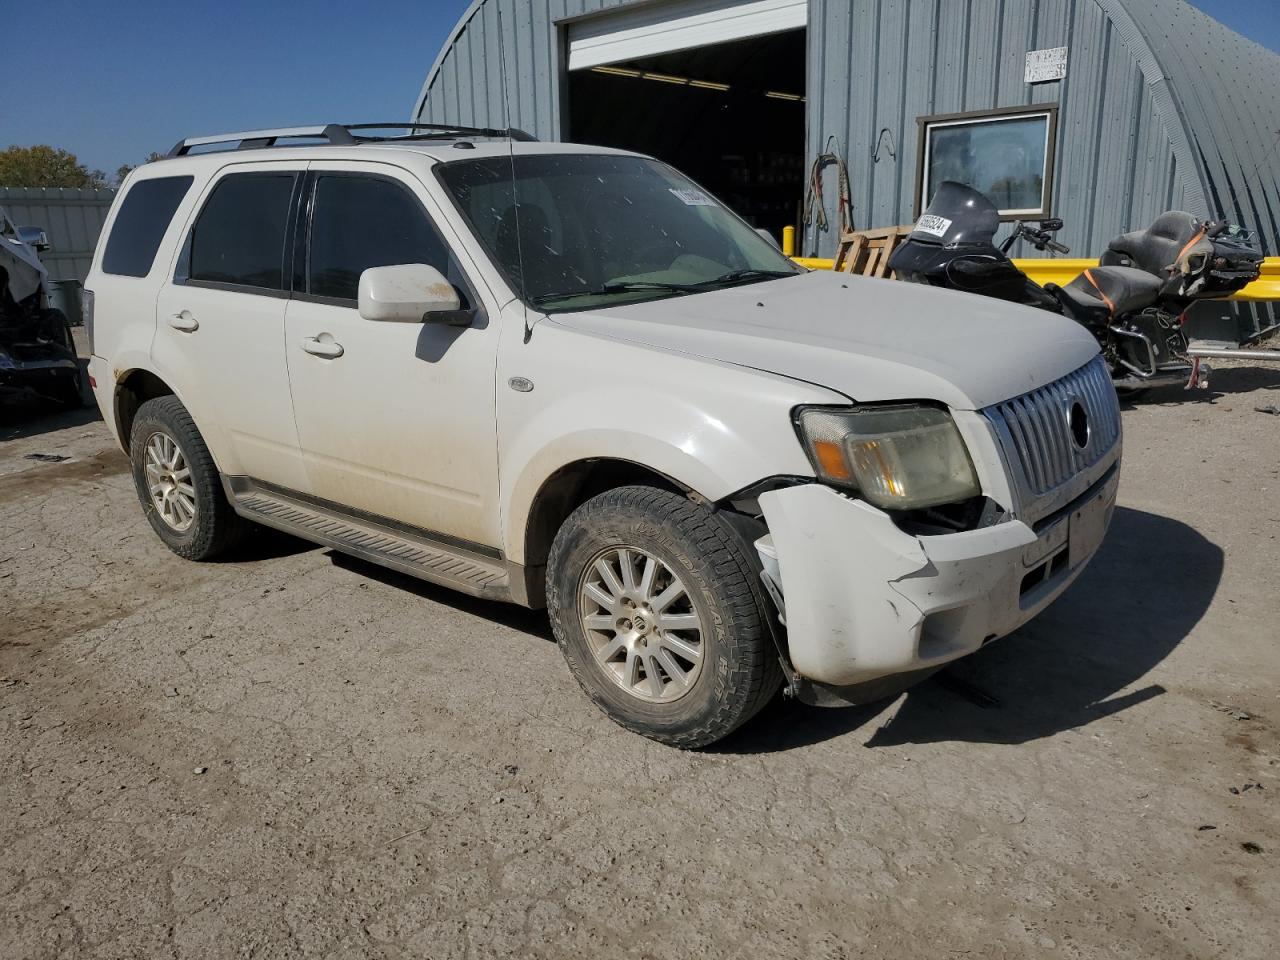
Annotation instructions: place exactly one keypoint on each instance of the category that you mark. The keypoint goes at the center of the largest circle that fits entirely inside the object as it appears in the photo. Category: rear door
(394, 419)
(220, 329)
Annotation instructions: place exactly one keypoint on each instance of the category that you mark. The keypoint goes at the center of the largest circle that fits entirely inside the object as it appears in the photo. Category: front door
(220, 323)
(394, 419)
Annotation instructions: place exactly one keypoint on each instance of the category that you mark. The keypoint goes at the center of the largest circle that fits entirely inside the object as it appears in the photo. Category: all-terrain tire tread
(754, 673)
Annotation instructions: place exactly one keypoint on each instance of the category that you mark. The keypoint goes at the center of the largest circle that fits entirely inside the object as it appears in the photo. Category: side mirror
(411, 293)
(34, 237)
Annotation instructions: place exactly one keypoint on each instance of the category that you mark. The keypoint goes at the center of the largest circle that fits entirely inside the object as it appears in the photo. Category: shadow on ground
(23, 416)
(24, 413)
(1225, 384)
(1062, 671)
(531, 622)
(1148, 587)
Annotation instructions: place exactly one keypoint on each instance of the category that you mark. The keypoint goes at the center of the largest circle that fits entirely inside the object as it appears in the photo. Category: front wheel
(658, 613)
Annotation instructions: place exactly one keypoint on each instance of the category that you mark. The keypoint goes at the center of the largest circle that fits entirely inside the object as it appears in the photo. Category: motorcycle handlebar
(1037, 238)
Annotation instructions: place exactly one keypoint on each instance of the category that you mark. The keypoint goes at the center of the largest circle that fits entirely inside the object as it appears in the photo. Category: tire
(634, 656)
(211, 526)
(66, 390)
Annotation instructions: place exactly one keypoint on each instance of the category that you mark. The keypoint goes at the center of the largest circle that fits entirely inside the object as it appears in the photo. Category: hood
(868, 339)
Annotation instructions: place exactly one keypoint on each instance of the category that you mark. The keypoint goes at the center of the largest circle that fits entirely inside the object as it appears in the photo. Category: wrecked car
(37, 353)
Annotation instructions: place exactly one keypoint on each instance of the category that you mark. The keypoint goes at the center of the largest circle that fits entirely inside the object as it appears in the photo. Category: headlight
(899, 457)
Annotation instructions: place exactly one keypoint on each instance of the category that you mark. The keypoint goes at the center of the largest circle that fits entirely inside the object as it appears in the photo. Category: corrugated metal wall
(1227, 89)
(874, 67)
(72, 218)
(1162, 107)
(877, 65)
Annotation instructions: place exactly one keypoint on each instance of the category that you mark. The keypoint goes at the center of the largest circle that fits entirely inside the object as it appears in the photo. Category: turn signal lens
(831, 459)
(898, 457)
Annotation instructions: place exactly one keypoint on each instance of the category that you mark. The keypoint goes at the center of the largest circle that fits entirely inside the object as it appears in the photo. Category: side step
(406, 550)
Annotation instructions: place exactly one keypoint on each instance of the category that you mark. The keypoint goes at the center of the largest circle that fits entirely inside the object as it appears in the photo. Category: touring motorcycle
(1135, 302)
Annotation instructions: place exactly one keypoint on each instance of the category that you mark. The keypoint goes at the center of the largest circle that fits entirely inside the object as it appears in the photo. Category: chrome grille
(1035, 428)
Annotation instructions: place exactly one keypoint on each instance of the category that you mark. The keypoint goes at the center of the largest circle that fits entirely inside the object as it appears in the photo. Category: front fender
(714, 428)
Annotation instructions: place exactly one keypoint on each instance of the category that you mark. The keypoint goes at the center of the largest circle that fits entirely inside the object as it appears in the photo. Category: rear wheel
(656, 608)
(66, 389)
(178, 484)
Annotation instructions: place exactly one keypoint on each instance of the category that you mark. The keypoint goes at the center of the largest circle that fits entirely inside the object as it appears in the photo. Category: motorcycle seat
(1156, 248)
(1111, 291)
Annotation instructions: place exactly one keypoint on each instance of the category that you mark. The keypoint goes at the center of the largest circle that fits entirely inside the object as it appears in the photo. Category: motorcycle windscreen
(957, 214)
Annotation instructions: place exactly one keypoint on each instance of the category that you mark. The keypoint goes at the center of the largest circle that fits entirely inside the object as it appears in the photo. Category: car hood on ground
(868, 339)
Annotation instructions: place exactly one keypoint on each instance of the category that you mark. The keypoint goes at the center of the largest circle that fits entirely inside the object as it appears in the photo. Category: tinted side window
(144, 216)
(240, 235)
(360, 222)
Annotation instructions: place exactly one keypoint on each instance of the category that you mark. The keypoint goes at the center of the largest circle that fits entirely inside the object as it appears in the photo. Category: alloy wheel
(169, 482)
(641, 624)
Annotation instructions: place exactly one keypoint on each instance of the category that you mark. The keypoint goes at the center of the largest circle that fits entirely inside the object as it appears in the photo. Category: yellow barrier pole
(789, 241)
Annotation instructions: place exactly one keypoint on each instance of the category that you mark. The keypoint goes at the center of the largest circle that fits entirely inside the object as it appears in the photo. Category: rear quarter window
(139, 227)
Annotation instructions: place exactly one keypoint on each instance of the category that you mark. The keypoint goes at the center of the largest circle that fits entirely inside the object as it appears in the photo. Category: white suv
(564, 375)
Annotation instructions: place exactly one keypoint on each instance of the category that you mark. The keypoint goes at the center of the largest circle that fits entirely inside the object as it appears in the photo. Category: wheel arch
(563, 491)
(133, 388)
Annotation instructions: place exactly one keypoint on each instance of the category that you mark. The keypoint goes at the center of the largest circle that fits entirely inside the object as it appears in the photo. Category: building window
(1006, 154)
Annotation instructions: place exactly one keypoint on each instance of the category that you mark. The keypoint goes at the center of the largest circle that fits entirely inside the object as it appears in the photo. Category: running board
(400, 549)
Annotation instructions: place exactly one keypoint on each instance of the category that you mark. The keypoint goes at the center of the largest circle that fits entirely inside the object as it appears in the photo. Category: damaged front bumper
(864, 600)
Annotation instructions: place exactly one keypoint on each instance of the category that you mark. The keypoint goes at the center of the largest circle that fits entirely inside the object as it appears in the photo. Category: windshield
(576, 231)
(957, 214)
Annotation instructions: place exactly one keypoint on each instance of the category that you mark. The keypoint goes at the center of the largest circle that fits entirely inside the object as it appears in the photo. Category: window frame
(300, 259)
(1035, 110)
(182, 270)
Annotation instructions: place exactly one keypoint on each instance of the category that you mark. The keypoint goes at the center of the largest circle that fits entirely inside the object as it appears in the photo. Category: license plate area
(1070, 539)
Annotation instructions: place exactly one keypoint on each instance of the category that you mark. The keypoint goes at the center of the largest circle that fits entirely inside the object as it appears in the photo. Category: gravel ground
(296, 754)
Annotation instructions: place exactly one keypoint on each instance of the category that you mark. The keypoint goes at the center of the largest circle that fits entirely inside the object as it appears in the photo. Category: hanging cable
(815, 210)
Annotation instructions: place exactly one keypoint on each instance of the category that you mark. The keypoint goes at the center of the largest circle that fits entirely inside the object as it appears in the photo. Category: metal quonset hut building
(1151, 106)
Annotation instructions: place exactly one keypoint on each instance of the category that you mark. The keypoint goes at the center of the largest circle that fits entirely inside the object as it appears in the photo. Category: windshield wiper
(622, 287)
(744, 276)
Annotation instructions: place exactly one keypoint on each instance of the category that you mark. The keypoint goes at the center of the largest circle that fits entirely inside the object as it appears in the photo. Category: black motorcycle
(1134, 302)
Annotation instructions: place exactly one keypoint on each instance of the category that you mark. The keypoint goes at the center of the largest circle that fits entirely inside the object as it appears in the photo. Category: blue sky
(113, 82)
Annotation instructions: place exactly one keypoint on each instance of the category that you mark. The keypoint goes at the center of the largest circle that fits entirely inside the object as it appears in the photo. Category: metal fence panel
(72, 218)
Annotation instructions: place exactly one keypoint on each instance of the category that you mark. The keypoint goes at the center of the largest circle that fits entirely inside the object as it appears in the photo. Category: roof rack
(342, 134)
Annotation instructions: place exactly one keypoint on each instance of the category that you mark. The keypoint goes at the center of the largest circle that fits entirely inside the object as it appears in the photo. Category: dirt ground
(296, 754)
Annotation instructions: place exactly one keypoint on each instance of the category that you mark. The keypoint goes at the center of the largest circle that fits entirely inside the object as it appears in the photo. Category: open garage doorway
(731, 115)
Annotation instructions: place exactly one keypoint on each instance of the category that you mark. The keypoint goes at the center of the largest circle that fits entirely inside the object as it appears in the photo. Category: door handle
(322, 348)
(185, 322)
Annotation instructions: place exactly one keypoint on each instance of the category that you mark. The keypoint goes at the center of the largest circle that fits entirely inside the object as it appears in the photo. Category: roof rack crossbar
(342, 133)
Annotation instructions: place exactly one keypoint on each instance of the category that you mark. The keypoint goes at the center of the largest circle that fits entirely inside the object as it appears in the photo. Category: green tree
(127, 168)
(45, 166)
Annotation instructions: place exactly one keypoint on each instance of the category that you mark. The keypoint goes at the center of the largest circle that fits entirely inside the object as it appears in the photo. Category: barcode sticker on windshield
(693, 198)
(934, 226)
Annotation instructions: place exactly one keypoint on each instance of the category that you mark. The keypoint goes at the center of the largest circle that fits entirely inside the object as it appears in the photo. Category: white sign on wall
(1046, 65)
